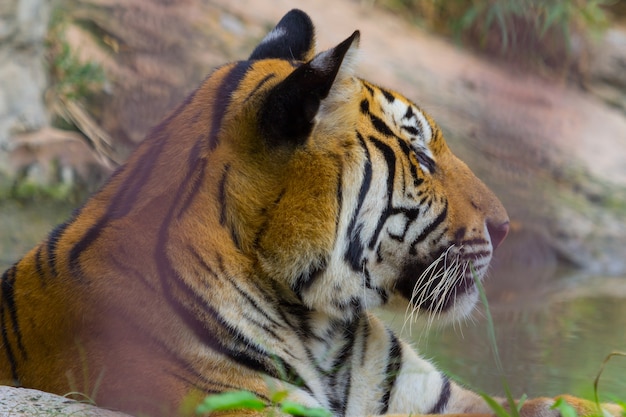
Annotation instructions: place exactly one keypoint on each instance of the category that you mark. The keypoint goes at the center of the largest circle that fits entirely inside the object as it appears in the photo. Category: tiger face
(348, 194)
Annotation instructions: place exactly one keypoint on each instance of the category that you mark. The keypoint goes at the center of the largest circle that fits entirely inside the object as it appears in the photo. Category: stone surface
(607, 68)
(22, 402)
(23, 79)
(23, 26)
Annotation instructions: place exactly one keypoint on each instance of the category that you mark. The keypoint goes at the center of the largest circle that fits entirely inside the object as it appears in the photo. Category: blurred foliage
(544, 34)
(71, 77)
(74, 81)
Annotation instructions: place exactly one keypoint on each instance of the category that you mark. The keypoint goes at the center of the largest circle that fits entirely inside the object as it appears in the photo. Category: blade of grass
(564, 408)
(235, 400)
(491, 333)
(597, 380)
(296, 409)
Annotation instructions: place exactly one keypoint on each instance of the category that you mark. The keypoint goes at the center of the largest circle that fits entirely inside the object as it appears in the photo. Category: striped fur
(244, 242)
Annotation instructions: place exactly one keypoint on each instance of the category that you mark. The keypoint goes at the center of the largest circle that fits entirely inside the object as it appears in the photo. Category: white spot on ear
(277, 32)
(321, 62)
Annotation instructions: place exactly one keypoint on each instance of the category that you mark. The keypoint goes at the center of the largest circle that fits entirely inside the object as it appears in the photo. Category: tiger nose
(497, 232)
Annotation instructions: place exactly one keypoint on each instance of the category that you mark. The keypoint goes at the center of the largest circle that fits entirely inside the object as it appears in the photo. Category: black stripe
(427, 161)
(354, 253)
(444, 397)
(8, 300)
(202, 262)
(198, 166)
(392, 371)
(381, 292)
(53, 240)
(222, 194)
(429, 229)
(365, 336)
(264, 210)
(390, 97)
(350, 306)
(381, 126)
(297, 317)
(305, 280)
(205, 321)
(390, 159)
(259, 85)
(223, 204)
(339, 194)
(223, 98)
(259, 309)
(342, 365)
(8, 304)
(218, 387)
(409, 113)
(407, 150)
(473, 242)
(88, 238)
(365, 106)
(136, 175)
(412, 130)
(39, 265)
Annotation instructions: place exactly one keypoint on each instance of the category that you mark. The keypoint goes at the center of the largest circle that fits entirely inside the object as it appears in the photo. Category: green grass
(491, 334)
(245, 400)
(596, 381)
(545, 34)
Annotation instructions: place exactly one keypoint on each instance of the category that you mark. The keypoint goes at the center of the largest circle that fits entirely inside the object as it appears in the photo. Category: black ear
(287, 114)
(292, 38)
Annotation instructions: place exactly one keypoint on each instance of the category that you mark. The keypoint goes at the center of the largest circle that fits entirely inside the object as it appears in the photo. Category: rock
(608, 60)
(22, 402)
(23, 26)
(151, 70)
(23, 79)
(607, 68)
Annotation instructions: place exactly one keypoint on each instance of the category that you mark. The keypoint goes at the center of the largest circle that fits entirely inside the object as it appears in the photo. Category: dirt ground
(445, 78)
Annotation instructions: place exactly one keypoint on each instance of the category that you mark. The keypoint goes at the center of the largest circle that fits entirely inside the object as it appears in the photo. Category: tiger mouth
(438, 285)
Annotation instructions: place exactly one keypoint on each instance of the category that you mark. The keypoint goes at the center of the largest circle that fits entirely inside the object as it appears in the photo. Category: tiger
(245, 242)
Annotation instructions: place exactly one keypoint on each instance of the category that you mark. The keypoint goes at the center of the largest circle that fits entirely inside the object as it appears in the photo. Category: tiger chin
(243, 243)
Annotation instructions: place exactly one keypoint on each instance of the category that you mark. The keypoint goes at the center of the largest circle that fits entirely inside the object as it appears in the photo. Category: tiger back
(243, 243)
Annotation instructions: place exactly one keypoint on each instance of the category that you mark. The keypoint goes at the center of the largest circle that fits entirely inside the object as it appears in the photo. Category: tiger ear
(287, 115)
(293, 38)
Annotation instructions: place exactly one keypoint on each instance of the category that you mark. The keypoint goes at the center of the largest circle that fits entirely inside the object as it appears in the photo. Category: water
(552, 338)
(23, 225)
(553, 327)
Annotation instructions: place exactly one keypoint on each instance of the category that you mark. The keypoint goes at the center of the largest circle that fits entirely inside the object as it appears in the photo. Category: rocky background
(82, 81)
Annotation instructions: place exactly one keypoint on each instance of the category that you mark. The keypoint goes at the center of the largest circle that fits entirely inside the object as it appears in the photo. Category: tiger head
(342, 192)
